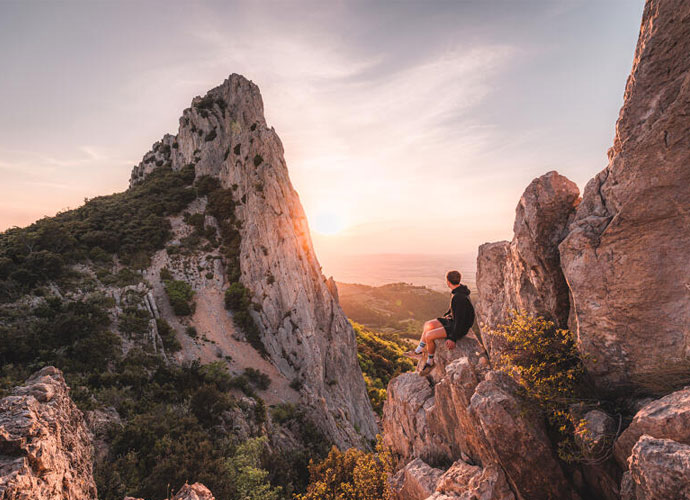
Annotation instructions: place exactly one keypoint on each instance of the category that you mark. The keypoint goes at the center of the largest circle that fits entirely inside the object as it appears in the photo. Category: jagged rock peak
(626, 253)
(525, 273)
(45, 447)
(302, 327)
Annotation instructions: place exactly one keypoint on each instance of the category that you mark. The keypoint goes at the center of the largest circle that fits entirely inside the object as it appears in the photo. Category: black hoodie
(461, 313)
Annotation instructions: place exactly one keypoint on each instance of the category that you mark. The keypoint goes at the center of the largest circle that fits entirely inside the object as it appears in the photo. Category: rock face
(626, 253)
(475, 415)
(668, 417)
(525, 273)
(307, 336)
(45, 448)
(196, 491)
(659, 470)
(415, 481)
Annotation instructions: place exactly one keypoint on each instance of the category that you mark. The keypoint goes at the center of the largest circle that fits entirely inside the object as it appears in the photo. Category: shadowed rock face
(303, 328)
(45, 448)
(465, 412)
(659, 470)
(668, 417)
(626, 254)
(525, 274)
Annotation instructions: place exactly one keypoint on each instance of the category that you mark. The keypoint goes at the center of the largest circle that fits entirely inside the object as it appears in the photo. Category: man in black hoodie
(452, 326)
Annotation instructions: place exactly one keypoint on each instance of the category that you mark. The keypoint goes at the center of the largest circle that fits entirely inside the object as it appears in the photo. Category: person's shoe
(426, 369)
(413, 355)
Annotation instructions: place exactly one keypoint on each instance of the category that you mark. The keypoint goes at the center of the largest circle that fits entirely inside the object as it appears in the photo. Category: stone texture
(476, 416)
(517, 441)
(196, 491)
(303, 328)
(463, 481)
(626, 253)
(659, 470)
(45, 447)
(525, 274)
(415, 481)
(668, 417)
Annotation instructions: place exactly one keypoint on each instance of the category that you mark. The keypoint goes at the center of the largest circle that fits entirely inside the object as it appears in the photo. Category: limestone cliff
(301, 325)
(626, 253)
(45, 447)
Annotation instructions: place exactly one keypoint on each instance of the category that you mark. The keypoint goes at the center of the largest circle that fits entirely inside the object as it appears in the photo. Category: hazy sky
(416, 125)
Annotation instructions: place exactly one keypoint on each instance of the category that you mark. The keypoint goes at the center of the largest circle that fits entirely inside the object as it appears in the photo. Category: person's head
(453, 278)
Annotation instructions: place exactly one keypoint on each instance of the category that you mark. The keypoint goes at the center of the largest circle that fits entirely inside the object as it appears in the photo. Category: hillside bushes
(131, 225)
(352, 475)
(380, 357)
(545, 361)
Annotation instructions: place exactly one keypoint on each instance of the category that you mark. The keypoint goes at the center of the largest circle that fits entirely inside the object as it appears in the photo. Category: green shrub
(258, 160)
(237, 297)
(210, 136)
(133, 321)
(167, 334)
(180, 295)
(206, 185)
(380, 357)
(191, 331)
(545, 361)
(258, 378)
(354, 475)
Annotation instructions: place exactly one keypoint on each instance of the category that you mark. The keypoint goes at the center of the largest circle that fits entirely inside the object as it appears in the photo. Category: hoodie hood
(462, 289)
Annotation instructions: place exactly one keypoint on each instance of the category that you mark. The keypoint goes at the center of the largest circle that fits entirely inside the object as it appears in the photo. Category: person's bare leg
(432, 336)
(429, 326)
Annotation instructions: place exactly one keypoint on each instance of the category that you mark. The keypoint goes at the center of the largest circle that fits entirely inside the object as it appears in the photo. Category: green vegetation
(131, 225)
(180, 295)
(380, 358)
(178, 423)
(258, 160)
(352, 475)
(545, 361)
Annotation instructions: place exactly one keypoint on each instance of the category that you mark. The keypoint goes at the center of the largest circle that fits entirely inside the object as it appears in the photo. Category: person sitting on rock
(452, 326)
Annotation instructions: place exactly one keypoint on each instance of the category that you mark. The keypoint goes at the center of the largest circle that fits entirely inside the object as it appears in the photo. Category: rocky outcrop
(474, 415)
(525, 274)
(626, 253)
(668, 418)
(659, 470)
(304, 331)
(415, 481)
(196, 491)
(45, 447)
(463, 481)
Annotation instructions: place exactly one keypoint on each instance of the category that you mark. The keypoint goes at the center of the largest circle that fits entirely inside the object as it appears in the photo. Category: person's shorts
(447, 324)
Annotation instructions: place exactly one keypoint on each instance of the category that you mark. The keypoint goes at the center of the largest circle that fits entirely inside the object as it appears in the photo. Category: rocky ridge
(302, 327)
(613, 268)
(45, 446)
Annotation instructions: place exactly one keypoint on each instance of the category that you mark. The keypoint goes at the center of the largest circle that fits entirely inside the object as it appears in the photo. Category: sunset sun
(328, 222)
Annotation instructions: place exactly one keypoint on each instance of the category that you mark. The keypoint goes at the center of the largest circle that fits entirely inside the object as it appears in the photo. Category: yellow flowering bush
(351, 475)
(545, 361)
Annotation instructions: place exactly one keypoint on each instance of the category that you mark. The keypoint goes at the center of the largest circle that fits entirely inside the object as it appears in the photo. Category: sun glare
(328, 222)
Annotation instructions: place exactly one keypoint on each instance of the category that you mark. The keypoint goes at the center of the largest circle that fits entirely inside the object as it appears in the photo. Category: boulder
(525, 274)
(196, 491)
(415, 481)
(405, 420)
(45, 447)
(668, 417)
(625, 256)
(516, 440)
(463, 481)
(659, 469)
